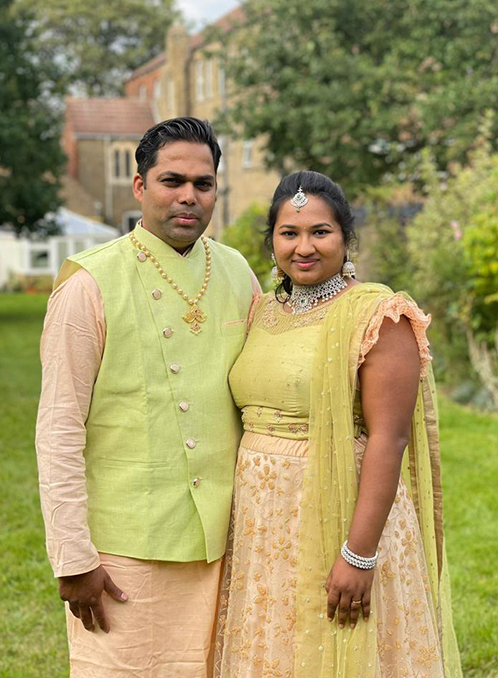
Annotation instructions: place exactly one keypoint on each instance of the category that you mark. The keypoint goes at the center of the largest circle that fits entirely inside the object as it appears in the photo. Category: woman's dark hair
(312, 183)
(177, 129)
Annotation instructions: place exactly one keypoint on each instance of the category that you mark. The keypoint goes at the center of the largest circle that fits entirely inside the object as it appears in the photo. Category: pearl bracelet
(356, 560)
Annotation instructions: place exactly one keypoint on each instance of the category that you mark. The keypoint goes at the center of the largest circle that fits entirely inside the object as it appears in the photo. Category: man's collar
(162, 250)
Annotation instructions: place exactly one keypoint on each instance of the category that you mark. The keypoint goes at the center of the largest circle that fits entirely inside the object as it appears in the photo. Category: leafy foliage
(480, 243)
(356, 88)
(247, 236)
(98, 43)
(31, 159)
(453, 247)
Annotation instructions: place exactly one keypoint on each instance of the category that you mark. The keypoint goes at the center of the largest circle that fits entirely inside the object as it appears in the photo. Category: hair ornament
(299, 200)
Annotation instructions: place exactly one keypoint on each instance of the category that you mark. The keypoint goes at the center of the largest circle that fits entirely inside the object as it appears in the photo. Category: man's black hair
(177, 129)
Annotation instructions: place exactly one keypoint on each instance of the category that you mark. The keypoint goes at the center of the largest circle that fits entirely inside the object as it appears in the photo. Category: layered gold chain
(194, 317)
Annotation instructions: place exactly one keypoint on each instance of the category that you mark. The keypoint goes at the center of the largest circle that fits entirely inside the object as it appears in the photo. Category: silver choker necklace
(305, 297)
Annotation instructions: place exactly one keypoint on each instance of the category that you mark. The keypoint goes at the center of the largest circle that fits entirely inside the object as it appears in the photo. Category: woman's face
(308, 245)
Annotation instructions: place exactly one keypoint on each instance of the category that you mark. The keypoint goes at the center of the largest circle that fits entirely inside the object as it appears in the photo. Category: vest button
(183, 406)
(174, 368)
(141, 256)
(157, 294)
(167, 332)
(196, 482)
(191, 443)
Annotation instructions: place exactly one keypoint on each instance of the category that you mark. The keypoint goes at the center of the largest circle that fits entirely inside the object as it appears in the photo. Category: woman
(336, 567)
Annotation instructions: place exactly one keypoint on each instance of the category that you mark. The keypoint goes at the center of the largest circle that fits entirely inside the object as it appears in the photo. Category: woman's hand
(348, 590)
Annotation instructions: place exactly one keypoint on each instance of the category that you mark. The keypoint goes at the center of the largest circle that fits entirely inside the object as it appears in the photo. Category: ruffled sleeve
(394, 308)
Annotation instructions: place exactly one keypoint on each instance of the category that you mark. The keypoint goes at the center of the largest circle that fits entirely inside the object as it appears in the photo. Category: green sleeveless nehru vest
(162, 431)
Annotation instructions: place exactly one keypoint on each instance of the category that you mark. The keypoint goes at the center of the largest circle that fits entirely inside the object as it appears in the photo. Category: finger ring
(356, 602)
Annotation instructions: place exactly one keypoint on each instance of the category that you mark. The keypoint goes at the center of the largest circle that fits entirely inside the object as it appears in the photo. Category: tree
(356, 88)
(98, 44)
(247, 236)
(31, 159)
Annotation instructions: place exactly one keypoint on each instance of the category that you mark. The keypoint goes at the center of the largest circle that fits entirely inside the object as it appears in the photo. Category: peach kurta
(165, 628)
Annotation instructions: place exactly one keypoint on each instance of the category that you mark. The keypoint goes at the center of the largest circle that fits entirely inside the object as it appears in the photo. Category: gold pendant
(194, 317)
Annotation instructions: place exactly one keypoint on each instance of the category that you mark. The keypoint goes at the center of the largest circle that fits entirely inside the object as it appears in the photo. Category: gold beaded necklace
(194, 316)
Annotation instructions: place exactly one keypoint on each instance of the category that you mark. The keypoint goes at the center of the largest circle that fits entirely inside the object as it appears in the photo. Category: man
(137, 431)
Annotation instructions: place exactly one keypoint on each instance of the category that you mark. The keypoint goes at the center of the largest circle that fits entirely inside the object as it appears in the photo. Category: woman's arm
(389, 380)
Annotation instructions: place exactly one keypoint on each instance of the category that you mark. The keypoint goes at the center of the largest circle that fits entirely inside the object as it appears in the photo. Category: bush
(453, 247)
(247, 236)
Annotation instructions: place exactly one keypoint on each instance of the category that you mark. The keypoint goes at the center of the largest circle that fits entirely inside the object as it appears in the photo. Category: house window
(199, 80)
(157, 89)
(142, 92)
(209, 79)
(130, 221)
(221, 79)
(127, 156)
(117, 164)
(247, 148)
(39, 258)
(122, 165)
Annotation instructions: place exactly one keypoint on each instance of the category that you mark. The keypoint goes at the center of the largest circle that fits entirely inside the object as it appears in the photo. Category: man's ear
(138, 187)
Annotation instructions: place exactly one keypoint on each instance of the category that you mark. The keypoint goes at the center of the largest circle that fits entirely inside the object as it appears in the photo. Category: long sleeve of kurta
(71, 351)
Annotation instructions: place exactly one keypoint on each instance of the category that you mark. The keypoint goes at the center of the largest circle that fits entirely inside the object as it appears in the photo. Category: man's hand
(83, 592)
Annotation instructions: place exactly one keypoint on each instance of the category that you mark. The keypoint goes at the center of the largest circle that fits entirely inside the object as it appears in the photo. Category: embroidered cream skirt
(257, 608)
(164, 630)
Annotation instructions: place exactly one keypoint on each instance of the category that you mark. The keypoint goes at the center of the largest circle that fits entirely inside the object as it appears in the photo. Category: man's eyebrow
(184, 177)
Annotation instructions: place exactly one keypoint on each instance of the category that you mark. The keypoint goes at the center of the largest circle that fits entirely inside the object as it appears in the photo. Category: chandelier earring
(348, 268)
(276, 272)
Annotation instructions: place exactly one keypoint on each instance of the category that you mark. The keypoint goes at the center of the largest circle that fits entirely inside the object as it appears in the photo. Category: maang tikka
(299, 200)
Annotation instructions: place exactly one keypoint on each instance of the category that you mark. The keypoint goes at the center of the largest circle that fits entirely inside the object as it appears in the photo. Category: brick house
(186, 80)
(100, 137)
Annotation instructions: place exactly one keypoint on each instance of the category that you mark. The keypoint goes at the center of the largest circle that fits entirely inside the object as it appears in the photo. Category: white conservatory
(21, 258)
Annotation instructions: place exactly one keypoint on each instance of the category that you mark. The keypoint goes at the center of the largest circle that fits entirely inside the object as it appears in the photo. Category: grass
(32, 628)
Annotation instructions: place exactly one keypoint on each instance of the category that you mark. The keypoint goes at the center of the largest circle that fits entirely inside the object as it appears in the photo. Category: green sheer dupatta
(330, 492)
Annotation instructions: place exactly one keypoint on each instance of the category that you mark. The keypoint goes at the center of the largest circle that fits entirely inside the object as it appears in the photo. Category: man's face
(179, 193)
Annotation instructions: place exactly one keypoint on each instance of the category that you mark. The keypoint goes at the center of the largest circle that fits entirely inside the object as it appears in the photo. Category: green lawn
(32, 638)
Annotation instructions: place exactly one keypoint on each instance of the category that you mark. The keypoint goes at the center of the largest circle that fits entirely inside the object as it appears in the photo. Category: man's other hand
(83, 592)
